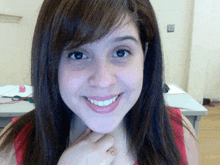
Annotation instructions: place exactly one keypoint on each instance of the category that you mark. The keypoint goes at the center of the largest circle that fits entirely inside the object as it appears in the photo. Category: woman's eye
(77, 55)
(122, 53)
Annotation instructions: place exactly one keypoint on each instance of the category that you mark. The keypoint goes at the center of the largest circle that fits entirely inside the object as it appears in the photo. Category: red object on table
(22, 88)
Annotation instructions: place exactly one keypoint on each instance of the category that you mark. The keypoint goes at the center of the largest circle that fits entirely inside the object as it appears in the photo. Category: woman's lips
(98, 98)
(104, 109)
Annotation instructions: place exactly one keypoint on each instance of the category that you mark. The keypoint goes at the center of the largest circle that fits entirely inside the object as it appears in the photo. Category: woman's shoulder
(7, 156)
(4, 130)
(15, 137)
(189, 125)
(191, 145)
(185, 131)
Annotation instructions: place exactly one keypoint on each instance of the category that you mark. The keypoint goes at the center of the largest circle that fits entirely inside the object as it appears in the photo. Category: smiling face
(110, 66)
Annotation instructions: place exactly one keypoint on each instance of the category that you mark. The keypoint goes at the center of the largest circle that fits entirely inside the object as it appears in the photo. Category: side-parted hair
(69, 24)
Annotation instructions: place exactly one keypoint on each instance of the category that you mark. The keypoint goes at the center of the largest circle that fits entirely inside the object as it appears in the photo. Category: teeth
(103, 103)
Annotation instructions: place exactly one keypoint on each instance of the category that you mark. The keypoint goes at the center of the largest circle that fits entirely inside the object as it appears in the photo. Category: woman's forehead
(123, 26)
(126, 28)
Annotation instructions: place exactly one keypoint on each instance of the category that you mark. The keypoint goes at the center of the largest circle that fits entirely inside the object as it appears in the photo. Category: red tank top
(178, 130)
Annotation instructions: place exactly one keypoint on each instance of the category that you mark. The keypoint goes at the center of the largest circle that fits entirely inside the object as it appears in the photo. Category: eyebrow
(118, 39)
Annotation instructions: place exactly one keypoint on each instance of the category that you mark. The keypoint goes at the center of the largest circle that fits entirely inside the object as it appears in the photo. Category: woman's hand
(90, 148)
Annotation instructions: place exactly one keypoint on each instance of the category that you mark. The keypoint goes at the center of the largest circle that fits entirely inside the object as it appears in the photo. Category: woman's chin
(102, 131)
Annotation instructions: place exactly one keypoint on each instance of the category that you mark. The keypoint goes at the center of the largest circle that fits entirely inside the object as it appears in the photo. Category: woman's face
(100, 71)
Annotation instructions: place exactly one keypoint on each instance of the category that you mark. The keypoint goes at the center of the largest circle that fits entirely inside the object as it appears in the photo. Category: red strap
(19, 139)
(179, 137)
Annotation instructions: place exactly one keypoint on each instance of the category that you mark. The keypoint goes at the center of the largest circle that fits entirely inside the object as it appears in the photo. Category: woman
(97, 78)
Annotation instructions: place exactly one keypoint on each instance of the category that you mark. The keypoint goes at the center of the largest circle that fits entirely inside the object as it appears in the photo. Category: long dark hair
(72, 23)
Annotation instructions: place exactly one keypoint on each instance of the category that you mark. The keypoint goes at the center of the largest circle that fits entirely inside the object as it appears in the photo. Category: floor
(209, 136)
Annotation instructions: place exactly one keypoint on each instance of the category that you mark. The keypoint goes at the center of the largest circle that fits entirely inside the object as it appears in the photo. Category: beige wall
(207, 38)
(191, 53)
(15, 41)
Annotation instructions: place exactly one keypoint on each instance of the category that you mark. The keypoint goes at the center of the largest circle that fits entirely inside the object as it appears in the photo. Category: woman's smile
(102, 101)
(103, 107)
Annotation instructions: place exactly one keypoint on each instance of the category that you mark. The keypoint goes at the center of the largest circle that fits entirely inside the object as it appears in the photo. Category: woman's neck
(77, 127)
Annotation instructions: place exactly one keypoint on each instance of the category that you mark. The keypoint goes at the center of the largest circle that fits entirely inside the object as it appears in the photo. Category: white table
(189, 107)
(8, 111)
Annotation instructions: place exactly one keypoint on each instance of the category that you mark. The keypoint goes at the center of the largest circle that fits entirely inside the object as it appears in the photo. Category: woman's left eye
(77, 55)
(122, 53)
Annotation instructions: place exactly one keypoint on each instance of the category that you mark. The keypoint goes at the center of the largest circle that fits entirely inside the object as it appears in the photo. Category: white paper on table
(13, 90)
(175, 90)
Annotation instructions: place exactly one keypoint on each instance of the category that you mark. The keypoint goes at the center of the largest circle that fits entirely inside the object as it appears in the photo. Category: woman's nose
(103, 75)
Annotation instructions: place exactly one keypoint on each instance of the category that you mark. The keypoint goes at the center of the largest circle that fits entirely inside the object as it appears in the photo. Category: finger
(94, 137)
(110, 155)
(112, 152)
(105, 143)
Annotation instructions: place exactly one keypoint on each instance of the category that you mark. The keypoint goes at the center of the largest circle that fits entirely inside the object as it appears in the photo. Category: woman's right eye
(76, 55)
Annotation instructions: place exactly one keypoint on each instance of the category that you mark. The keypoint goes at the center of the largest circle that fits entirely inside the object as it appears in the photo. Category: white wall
(175, 45)
(194, 45)
(207, 38)
(15, 41)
